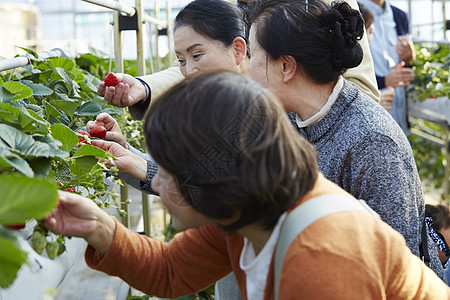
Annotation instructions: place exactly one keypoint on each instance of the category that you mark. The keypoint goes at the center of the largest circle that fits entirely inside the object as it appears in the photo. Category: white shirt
(256, 268)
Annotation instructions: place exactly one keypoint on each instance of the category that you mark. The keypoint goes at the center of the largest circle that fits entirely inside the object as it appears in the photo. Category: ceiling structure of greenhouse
(78, 27)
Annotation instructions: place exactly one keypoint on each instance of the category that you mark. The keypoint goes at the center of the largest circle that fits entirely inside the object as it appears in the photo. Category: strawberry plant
(431, 72)
(432, 80)
(41, 107)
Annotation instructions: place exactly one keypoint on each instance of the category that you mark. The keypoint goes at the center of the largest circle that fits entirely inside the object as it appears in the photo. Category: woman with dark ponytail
(299, 50)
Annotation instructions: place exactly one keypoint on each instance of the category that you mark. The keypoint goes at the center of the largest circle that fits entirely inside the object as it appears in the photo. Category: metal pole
(24, 60)
(117, 44)
(115, 5)
(445, 19)
(446, 167)
(170, 32)
(157, 57)
(156, 21)
(140, 61)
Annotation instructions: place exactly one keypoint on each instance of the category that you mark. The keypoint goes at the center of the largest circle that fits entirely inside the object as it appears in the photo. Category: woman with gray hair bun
(299, 50)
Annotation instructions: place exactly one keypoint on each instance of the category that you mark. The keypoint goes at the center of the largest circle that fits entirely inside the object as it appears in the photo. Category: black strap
(423, 247)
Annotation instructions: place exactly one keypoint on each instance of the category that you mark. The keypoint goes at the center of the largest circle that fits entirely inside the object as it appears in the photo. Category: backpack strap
(303, 216)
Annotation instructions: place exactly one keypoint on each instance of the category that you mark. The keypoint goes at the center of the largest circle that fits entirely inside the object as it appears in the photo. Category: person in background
(387, 94)
(392, 51)
(231, 169)
(438, 218)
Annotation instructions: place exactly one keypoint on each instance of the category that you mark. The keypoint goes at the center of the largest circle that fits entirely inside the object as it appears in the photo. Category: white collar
(325, 109)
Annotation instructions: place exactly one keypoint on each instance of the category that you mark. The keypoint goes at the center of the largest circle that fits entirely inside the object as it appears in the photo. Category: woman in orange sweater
(231, 169)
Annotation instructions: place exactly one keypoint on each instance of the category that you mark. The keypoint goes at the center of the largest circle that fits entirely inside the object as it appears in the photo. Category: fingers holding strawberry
(121, 90)
(107, 128)
(127, 162)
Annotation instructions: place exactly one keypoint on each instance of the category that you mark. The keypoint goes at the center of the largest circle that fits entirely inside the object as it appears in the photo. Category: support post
(140, 38)
(170, 32)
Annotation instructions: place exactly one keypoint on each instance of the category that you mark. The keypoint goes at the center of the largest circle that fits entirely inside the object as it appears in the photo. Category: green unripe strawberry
(52, 249)
(61, 248)
(114, 170)
(38, 242)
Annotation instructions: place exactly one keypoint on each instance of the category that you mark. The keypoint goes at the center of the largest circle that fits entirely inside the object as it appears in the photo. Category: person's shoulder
(370, 120)
(398, 11)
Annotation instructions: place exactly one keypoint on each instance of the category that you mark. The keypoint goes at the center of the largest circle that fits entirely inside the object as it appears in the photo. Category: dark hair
(366, 14)
(231, 149)
(322, 39)
(440, 214)
(217, 20)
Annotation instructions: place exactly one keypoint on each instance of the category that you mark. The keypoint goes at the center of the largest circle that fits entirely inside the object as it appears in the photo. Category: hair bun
(352, 56)
(346, 29)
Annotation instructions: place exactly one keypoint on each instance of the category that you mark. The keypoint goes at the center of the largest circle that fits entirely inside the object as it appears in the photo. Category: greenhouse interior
(80, 42)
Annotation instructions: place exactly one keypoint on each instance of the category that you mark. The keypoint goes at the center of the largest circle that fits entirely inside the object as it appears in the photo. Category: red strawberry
(59, 183)
(72, 190)
(111, 80)
(98, 131)
(85, 139)
(15, 226)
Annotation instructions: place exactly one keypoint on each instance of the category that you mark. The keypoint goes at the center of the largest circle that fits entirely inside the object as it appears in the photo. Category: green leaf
(15, 138)
(40, 166)
(89, 109)
(11, 162)
(65, 135)
(77, 75)
(11, 259)
(63, 96)
(59, 87)
(26, 120)
(5, 96)
(7, 115)
(25, 198)
(40, 90)
(83, 165)
(40, 149)
(62, 62)
(33, 53)
(69, 107)
(21, 91)
(52, 111)
(112, 111)
(67, 80)
(89, 150)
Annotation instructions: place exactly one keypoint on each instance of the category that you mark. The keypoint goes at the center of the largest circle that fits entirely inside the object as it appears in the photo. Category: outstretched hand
(128, 92)
(387, 97)
(405, 49)
(78, 216)
(113, 132)
(399, 76)
(127, 162)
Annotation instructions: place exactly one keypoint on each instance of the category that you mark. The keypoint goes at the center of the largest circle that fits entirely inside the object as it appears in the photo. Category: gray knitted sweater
(363, 150)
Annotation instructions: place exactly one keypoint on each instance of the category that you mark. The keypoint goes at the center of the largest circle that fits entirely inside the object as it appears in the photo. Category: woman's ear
(289, 67)
(240, 49)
